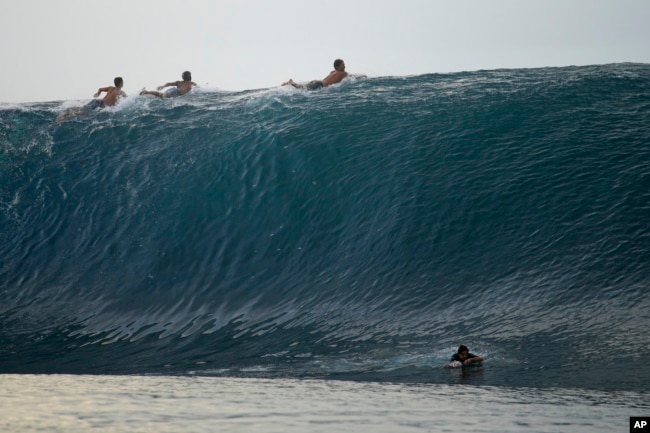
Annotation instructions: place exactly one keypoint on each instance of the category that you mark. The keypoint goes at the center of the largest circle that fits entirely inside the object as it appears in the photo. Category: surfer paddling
(463, 357)
(176, 88)
(113, 95)
(334, 77)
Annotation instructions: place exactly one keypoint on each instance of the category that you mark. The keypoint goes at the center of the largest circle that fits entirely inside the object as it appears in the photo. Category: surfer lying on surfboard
(336, 76)
(463, 357)
(113, 95)
(176, 88)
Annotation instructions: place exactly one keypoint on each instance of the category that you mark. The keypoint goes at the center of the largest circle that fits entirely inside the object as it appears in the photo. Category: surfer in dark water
(336, 76)
(464, 357)
(176, 88)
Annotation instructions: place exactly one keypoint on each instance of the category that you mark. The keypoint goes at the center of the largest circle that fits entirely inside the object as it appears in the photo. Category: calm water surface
(75, 403)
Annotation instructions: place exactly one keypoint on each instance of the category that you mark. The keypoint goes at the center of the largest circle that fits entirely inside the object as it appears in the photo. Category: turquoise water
(224, 248)
(60, 403)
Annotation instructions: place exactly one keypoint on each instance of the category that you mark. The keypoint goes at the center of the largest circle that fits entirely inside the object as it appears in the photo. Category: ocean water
(134, 404)
(357, 233)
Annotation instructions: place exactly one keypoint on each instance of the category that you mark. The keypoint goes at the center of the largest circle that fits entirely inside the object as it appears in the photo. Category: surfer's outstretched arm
(102, 89)
(170, 84)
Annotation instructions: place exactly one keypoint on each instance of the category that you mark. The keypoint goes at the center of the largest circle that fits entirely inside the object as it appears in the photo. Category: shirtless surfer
(176, 88)
(336, 76)
(113, 95)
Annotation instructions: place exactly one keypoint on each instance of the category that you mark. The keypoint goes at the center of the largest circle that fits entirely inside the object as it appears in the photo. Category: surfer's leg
(314, 85)
(68, 114)
(293, 83)
(151, 93)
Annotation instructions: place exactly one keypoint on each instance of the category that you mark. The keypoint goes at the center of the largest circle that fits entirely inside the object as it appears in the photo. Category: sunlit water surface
(69, 403)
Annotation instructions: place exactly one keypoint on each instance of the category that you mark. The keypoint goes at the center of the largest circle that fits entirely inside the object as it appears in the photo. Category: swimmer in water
(176, 88)
(113, 95)
(464, 357)
(334, 77)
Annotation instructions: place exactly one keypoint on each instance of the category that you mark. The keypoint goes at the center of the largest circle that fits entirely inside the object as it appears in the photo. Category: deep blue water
(359, 232)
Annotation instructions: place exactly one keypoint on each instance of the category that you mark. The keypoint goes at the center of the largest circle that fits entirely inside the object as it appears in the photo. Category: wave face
(361, 231)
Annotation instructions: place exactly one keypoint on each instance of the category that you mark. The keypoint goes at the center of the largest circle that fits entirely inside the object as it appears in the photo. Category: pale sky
(67, 49)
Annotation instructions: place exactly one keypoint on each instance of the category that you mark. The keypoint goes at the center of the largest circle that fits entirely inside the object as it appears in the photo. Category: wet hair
(337, 63)
(118, 82)
(462, 348)
(187, 76)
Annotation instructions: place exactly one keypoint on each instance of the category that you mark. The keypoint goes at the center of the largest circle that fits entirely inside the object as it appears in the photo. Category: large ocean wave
(360, 231)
